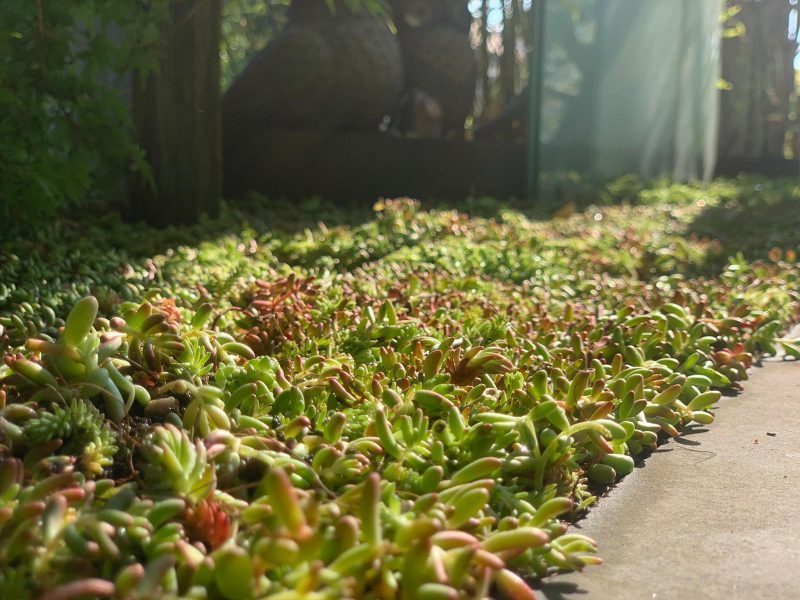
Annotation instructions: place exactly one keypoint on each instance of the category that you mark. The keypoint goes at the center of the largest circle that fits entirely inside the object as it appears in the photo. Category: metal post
(536, 70)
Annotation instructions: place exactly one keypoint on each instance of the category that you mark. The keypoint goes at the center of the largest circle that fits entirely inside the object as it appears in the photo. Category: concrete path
(712, 515)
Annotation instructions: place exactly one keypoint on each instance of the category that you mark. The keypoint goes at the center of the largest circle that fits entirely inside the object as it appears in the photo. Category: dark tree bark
(483, 61)
(759, 68)
(177, 115)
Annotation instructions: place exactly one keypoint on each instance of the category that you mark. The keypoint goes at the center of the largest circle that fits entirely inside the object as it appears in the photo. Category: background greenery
(65, 135)
(66, 67)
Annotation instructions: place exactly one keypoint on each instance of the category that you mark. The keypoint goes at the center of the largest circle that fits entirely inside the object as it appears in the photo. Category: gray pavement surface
(713, 514)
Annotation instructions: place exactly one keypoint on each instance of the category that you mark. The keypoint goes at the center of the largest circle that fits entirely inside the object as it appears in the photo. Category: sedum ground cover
(402, 403)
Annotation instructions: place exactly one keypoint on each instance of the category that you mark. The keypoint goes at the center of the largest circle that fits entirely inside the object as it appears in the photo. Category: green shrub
(66, 129)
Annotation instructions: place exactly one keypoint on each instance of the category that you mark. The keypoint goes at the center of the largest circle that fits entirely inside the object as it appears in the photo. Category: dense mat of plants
(399, 408)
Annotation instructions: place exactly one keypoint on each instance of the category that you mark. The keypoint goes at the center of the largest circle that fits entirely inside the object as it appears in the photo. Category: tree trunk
(483, 60)
(508, 61)
(755, 111)
(177, 114)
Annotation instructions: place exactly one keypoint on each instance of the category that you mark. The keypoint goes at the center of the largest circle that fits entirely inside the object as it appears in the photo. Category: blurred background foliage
(66, 134)
(66, 130)
(65, 70)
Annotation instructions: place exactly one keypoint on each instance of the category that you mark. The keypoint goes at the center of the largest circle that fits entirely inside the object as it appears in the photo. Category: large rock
(437, 56)
(324, 71)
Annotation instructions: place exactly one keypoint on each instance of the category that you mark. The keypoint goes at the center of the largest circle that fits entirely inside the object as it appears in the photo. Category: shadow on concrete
(560, 590)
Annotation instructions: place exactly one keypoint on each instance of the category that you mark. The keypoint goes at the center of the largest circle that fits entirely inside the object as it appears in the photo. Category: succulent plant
(404, 407)
(177, 464)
